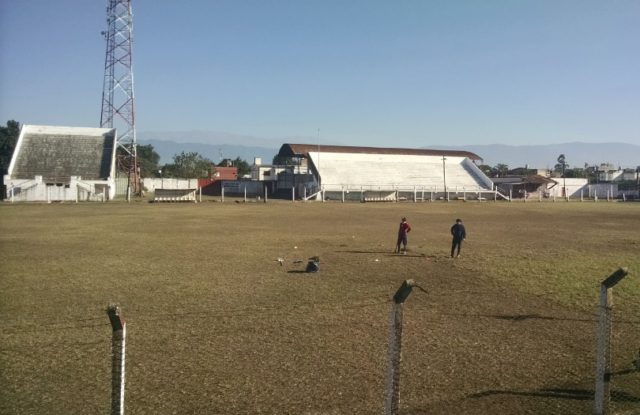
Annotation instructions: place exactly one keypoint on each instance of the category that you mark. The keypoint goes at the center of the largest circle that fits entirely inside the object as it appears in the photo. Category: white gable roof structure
(52, 163)
(389, 173)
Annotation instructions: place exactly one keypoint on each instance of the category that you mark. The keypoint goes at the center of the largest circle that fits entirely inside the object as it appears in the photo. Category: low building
(619, 175)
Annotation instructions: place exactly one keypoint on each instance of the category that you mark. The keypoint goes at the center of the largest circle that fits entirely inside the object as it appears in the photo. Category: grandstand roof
(57, 153)
(302, 150)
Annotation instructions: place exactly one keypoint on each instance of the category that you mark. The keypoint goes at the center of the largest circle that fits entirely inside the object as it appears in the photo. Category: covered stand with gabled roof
(53, 163)
(375, 173)
(519, 187)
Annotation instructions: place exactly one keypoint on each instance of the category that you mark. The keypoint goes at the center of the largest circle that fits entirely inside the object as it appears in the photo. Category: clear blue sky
(366, 72)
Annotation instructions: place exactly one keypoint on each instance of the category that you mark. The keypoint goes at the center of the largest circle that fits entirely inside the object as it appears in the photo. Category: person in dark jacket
(404, 229)
(459, 234)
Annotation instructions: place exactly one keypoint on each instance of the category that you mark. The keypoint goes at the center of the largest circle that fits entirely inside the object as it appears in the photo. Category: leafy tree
(243, 166)
(285, 161)
(8, 139)
(500, 170)
(148, 160)
(562, 164)
(190, 165)
(576, 172)
(486, 169)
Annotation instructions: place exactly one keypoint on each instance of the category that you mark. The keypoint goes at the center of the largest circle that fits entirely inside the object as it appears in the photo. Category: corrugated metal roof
(301, 150)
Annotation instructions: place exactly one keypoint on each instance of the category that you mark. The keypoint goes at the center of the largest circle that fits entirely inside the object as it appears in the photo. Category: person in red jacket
(404, 229)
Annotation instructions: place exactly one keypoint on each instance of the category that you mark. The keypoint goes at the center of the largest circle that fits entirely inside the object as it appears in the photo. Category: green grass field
(217, 326)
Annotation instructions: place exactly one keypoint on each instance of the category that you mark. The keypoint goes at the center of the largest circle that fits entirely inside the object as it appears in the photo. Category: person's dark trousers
(457, 243)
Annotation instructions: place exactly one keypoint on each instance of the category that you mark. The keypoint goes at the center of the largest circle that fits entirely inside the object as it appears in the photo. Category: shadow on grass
(386, 253)
(366, 252)
(576, 394)
(559, 393)
(523, 317)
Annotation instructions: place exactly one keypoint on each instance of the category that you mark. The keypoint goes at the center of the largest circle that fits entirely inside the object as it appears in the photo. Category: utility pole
(117, 90)
(562, 161)
(444, 174)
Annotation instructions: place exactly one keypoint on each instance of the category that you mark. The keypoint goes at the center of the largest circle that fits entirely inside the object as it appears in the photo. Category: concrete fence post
(118, 342)
(603, 352)
(222, 193)
(392, 382)
(293, 193)
(265, 195)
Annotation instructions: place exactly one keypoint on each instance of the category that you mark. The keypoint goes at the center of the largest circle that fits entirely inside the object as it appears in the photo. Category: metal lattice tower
(117, 92)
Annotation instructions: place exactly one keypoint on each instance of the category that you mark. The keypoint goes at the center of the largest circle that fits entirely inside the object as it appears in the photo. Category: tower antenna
(117, 90)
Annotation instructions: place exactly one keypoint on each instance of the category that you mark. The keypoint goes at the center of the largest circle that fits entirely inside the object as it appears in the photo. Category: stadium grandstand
(384, 174)
(53, 163)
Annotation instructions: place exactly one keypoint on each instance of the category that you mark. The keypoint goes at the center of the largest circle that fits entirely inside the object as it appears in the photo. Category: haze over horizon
(369, 73)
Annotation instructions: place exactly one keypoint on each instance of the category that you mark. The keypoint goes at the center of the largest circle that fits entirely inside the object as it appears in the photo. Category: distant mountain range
(217, 146)
(545, 156)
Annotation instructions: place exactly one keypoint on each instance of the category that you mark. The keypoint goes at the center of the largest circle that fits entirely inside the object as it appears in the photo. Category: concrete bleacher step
(384, 172)
(175, 195)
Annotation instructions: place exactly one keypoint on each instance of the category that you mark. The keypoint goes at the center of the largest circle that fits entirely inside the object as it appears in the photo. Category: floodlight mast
(117, 91)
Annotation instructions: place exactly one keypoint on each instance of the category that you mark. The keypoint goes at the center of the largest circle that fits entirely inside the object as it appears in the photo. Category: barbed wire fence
(617, 388)
(567, 391)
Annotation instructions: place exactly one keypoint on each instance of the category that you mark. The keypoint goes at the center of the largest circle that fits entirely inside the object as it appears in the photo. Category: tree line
(561, 169)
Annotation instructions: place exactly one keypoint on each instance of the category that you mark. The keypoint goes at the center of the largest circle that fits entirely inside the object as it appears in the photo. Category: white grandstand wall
(77, 190)
(387, 176)
(151, 183)
(37, 188)
(574, 188)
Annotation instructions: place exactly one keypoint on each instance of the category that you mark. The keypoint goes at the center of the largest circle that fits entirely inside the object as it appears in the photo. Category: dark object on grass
(313, 265)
